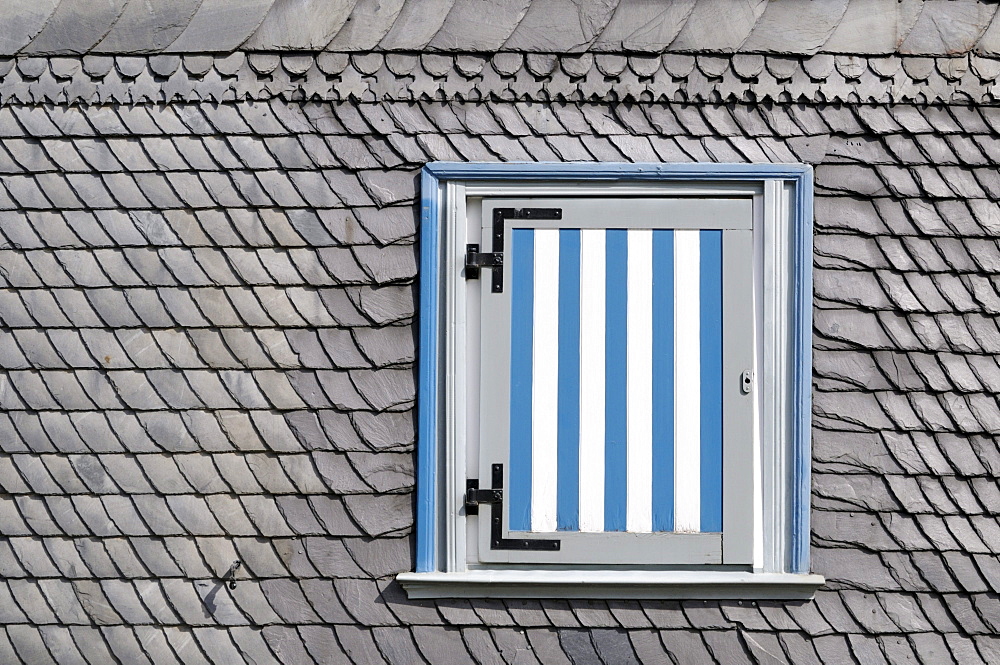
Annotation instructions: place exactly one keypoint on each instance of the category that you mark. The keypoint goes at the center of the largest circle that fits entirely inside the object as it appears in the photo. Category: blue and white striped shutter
(611, 390)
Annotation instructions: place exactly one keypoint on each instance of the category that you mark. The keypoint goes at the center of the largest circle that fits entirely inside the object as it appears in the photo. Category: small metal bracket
(231, 573)
(474, 259)
(474, 497)
(746, 381)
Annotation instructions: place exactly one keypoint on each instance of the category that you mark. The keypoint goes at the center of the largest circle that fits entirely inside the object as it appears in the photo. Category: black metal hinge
(474, 497)
(474, 259)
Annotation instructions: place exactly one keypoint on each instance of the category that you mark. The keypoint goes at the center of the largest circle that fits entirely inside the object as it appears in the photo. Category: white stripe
(687, 382)
(593, 290)
(545, 381)
(639, 505)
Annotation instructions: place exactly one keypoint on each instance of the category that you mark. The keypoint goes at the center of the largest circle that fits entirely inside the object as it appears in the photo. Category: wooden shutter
(616, 334)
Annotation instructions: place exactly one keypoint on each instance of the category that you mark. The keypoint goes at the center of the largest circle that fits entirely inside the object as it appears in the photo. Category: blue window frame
(781, 198)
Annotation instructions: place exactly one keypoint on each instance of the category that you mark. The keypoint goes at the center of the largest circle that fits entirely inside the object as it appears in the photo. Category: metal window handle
(746, 381)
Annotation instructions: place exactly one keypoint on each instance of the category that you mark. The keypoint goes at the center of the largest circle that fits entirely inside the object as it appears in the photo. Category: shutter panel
(611, 409)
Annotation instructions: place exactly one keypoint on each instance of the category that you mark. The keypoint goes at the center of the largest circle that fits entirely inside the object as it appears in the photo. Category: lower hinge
(474, 497)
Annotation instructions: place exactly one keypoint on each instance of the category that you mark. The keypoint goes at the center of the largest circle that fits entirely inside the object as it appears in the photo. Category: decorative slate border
(373, 77)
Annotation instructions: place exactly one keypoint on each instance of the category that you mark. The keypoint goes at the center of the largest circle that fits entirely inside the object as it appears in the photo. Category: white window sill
(729, 585)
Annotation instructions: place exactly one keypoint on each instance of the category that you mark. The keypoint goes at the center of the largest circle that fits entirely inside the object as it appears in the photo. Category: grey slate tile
(964, 614)
(359, 645)
(899, 650)
(491, 612)
(286, 644)
(613, 646)
(62, 644)
(647, 646)
(411, 612)
(10, 612)
(866, 649)
(34, 557)
(527, 613)
(546, 647)
(458, 612)
(29, 597)
(397, 645)
(560, 613)
(578, 646)
(865, 608)
(28, 644)
(251, 644)
(217, 645)
(481, 647)
(513, 646)
(798, 648)
(962, 649)
(831, 648)
(322, 644)
(231, 515)
(766, 647)
(381, 515)
(705, 615)
(727, 646)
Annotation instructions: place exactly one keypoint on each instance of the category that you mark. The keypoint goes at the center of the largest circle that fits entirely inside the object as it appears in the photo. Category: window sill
(730, 585)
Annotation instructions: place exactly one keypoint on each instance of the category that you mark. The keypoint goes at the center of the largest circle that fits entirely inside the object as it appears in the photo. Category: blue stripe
(616, 387)
(522, 300)
(663, 380)
(568, 452)
(711, 380)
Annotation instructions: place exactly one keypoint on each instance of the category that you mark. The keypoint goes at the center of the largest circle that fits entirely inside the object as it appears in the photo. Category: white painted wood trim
(643, 584)
(545, 383)
(687, 380)
(773, 250)
(454, 425)
(639, 379)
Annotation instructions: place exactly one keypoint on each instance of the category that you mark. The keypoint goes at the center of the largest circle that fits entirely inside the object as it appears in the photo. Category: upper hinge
(474, 259)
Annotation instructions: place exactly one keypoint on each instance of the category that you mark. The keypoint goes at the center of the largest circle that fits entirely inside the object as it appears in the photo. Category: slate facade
(207, 316)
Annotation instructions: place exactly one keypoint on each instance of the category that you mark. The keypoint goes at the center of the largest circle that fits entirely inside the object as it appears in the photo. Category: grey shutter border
(614, 548)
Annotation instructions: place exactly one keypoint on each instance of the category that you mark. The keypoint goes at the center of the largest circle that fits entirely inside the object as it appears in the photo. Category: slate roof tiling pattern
(206, 335)
(918, 27)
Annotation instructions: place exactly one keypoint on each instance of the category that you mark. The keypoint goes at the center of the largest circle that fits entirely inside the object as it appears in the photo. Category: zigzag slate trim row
(865, 27)
(503, 76)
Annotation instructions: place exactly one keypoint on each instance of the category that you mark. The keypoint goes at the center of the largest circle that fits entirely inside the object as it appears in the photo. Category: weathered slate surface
(859, 27)
(206, 317)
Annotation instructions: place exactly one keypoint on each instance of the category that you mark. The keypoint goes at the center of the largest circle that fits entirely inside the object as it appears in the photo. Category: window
(614, 381)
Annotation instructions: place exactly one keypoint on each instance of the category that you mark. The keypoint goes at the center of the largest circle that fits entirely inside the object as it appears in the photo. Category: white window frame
(782, 196)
